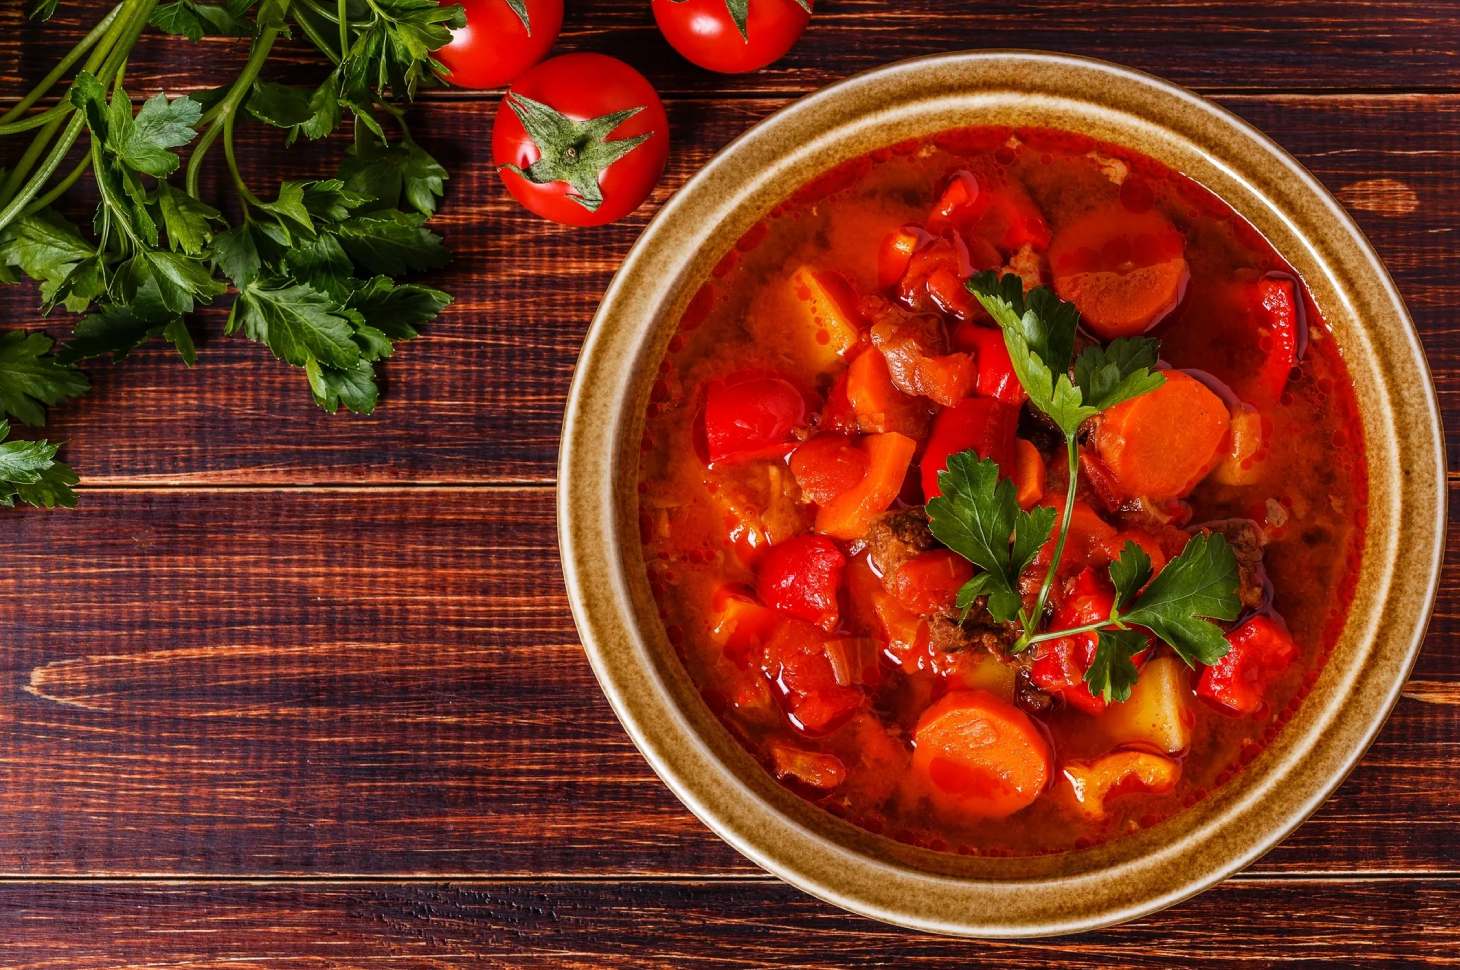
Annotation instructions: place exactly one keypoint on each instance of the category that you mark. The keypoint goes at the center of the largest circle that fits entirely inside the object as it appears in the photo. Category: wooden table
(304, 690)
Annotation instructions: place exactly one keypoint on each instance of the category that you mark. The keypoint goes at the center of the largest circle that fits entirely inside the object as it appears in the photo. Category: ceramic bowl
(823, 855)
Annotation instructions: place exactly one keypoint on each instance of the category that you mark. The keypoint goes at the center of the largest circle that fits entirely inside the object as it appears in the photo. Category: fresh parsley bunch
(979, 518)
(314, 263)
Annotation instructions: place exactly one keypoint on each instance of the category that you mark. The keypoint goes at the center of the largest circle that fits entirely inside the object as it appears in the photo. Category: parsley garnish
(978, 517)
(313, 262)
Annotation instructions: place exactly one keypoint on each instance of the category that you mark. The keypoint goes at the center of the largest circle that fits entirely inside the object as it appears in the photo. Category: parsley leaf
(1108, 375)
(29, 472)
(1129, 572)
(198, 20)
(31, 378)
(1112, 673)
(979, 518)
(50, 250)
(1196, 587)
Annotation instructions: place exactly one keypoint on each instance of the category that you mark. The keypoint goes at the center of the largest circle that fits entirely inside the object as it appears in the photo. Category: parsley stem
(222, 113)
(1073, 453)
(344, 30)
(36, 120)
(47, 169)
(1076, 631)
(61, 187)
(243, 191)
(315, 37)
(82, 46)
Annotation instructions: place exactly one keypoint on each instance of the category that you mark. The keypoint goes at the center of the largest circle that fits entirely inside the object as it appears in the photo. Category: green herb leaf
(1112, 673)
(115, 329)
(188, 222)
(31, 378)
(50, 250)
(195, 21)
(1108, 375)
(143, 142)
(397, 309)
(390, 241)
(979, 518)
(29, 472)
(301, 111)
(392, 174)
(1197, 586)
(1129, 572)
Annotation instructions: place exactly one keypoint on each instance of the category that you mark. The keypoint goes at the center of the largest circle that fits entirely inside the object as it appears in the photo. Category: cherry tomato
(706, 32)
(751, 417)
(498, 43)
(581, 139)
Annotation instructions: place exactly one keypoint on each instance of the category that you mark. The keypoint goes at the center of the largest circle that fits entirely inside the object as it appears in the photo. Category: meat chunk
(896, 537)
(1247, 542)
(949, 634)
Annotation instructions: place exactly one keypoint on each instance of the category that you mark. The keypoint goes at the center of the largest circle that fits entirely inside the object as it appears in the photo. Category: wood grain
(587, 925)
(250, 682)
(1227, 45)
(479, 397)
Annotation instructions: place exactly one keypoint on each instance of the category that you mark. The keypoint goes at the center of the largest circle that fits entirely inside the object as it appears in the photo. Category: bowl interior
(719, 781)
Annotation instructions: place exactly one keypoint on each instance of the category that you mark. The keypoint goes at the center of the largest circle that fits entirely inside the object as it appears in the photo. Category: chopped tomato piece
(1012, 220)
(850, 514)
(1030, 474)
(1161, 444)
(826, 466)
(803, 577)
(996, 377)
(814, 769)
(929, 582)
(983, 424)
(1125, 270)
(961, 203)
(880, 406)
(1149, 544)
(913, 348)
(1260, 650)
(739, 623)
(1085, 542)
(1092, 784)
(795, 661)
(751, 417)
(981, 757)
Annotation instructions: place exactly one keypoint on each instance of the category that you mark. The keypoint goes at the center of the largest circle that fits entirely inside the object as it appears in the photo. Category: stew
(936, 597)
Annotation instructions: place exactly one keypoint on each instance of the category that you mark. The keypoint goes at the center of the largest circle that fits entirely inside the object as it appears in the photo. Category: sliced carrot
(880, 406)
(1092, 784)
(1029, 474)
(849, 515)
(981, 756)
(1161, 444)
(1124, 270)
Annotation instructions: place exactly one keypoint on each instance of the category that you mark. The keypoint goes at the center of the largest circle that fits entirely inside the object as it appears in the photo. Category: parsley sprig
(979, 518)
(314, 263)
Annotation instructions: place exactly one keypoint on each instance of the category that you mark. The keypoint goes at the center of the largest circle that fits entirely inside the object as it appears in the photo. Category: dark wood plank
(377, 681)
(742, 923)
(479, 398)
(1231, 45)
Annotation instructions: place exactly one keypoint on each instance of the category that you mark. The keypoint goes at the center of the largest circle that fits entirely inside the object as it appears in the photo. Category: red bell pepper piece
(986, 425)
(897, 252)
(802, 577)
(1276, 313)
(961, 202)
(751, 417)
(1260, 650)
(996, 377)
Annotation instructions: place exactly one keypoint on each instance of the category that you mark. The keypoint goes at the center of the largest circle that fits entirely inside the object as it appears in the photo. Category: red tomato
(497, 43)
(803, 577)
(705, 32)
(828, 465)
(1059, 665)
(569, 160)
(981, 423)
(1260, 650)
(751, 417)
(929, 583)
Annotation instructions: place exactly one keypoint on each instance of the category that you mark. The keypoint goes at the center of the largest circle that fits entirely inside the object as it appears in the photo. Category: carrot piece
(1124, 270)
(981, 756)
(1161, 444)
(739, 623)
(878, 404)
(1029, 474)
(850, 514)
(1091, 784)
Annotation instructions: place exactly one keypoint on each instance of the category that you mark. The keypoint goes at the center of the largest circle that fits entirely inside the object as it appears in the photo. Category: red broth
(828, 683)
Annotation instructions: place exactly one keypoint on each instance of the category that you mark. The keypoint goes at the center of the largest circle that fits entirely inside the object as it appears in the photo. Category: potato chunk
(1158, 713)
